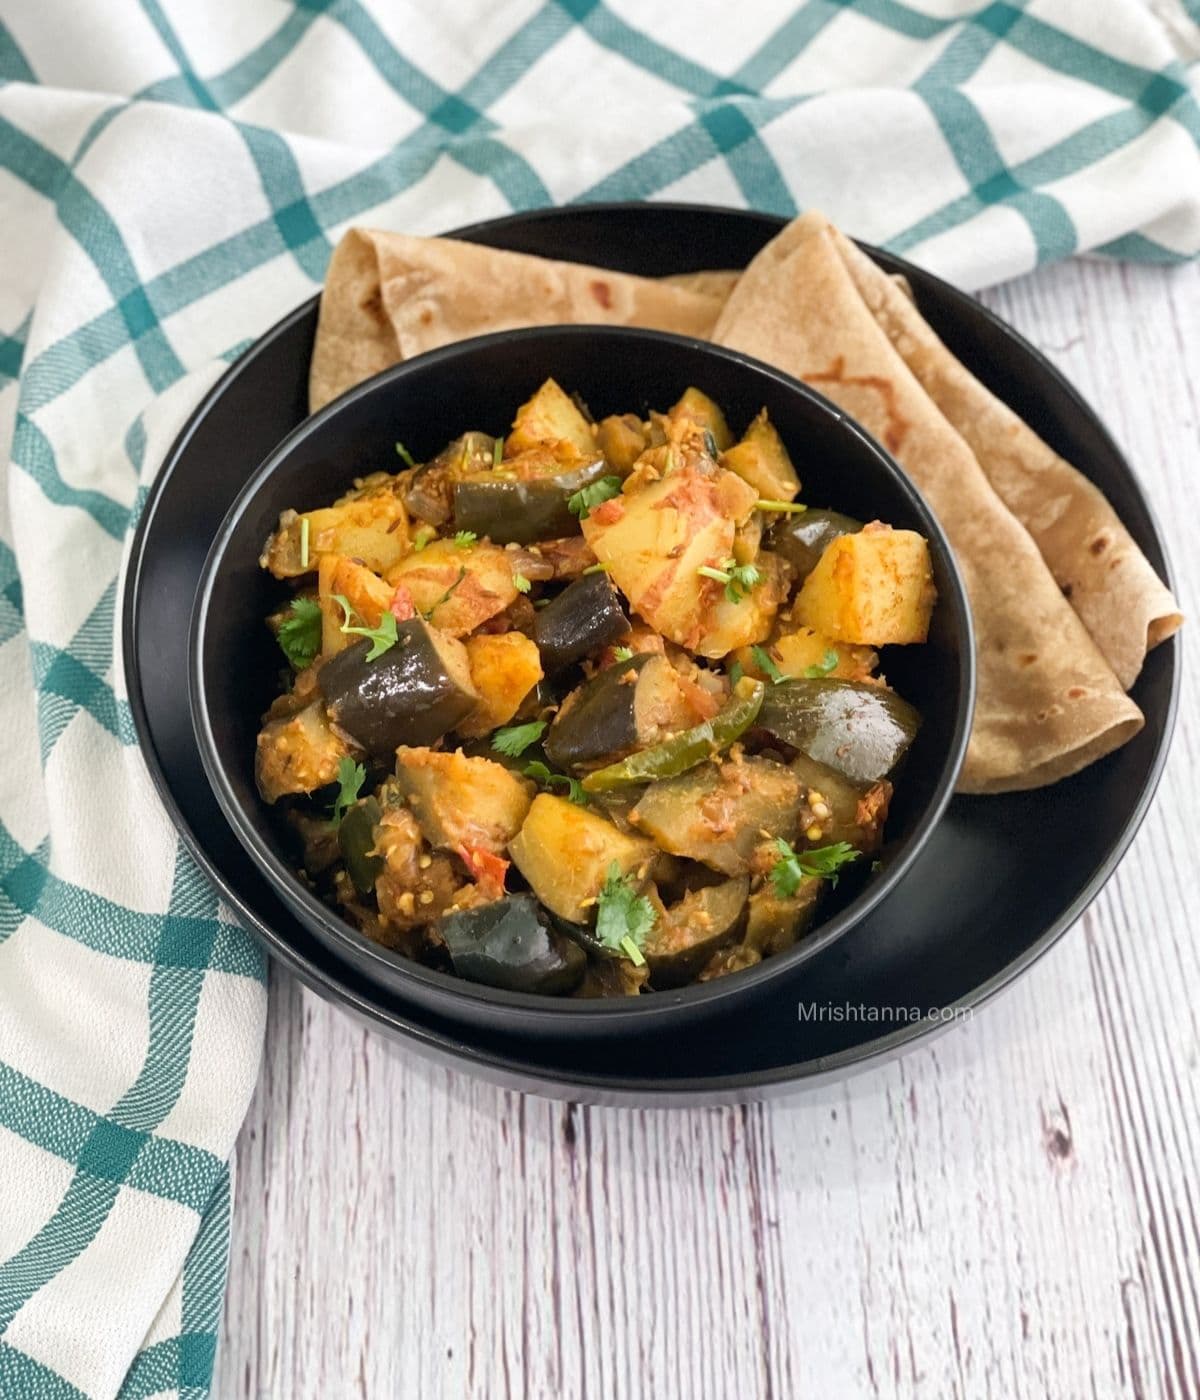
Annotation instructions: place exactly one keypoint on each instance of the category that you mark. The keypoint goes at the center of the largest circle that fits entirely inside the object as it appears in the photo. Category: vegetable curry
(590, 709)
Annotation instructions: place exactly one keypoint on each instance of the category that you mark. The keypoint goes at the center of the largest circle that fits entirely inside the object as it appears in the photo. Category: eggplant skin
(801, 539)
(414, 693)
(694, 929)
(601, 722)
(861, 731)
(511, 943)
(510, 511)
(356, 841)
(585, 616)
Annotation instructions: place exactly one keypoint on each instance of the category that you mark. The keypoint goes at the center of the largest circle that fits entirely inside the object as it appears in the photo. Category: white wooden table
(1011, 1211)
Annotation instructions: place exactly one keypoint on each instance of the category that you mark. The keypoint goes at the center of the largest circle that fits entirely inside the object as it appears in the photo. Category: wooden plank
(1010, 1211)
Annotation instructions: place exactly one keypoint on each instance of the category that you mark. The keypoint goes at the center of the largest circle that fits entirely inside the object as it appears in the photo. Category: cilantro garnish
(622, 654)
(405, 455)
(521, 583)
(823, 667)
(350, 776)
(445, 598)
(423, 537)
(824, 862)
(572, 787)
(587, 498)
(782, 507)
(762, 659)
(599, 568)
(738, 579)
(299, 634)
(382, 638)
(465, 539)
(623, 917)
(514, 740)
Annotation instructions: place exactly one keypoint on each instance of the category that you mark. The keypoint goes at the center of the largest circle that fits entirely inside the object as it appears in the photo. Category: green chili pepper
(687, 748)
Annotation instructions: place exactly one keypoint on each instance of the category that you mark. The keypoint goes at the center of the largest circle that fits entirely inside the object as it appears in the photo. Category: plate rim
(445, 1044)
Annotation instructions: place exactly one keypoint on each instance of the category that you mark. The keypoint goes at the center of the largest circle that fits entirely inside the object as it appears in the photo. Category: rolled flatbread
(1048, 702)
(389, 296)
(1107, 579)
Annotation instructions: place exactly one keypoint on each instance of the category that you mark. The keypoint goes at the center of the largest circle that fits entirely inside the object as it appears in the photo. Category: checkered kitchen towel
(172, 176)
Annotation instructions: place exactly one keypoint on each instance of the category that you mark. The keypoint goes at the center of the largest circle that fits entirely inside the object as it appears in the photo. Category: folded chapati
(389, 296)
(1048, 702)
(1108, 580)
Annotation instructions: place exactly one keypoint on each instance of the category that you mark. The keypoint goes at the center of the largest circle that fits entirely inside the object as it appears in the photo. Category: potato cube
(874, 588)
(550, 416)
(365, 591)
(505, 666)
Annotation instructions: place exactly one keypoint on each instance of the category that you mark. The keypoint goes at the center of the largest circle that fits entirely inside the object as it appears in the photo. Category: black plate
(1002, 878)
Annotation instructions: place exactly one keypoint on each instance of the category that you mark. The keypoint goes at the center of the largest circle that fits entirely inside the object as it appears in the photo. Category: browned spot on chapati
(897, 425)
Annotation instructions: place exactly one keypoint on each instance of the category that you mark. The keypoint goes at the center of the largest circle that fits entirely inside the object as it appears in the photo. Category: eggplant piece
(297, 752)
(801, 539)
(565, 851)
(773, 924)
(614, 977)
(717, 814)
(627, 706)
(687, 748)
(690, 932)
(414, 693)
(429, 490)
(356, 840)
(856, 811)
(510, 943)
(460, 801)
(585, 616)
(511, 510)
(726, 960)
(862, 731)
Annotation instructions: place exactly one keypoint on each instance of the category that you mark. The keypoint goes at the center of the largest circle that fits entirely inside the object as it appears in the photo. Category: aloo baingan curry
(593, 708)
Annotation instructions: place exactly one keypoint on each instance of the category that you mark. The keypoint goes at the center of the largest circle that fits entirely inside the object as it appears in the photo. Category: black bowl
(478, 383)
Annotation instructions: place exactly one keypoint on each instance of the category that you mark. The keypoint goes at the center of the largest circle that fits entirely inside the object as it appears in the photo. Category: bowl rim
(334, 930)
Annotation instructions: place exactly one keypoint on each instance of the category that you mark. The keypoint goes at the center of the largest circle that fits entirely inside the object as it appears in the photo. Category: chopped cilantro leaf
(572, 787)
(299, 634)
(405, 455)
(350, 776)
(514, 740)
(423, 537)
(622, 654)
(521, 583)
(738, 579)
(824, 862)
(762, 659)
(823, 667)
(623, 917)
(587, 498)
(382, 638)
(464, 539)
